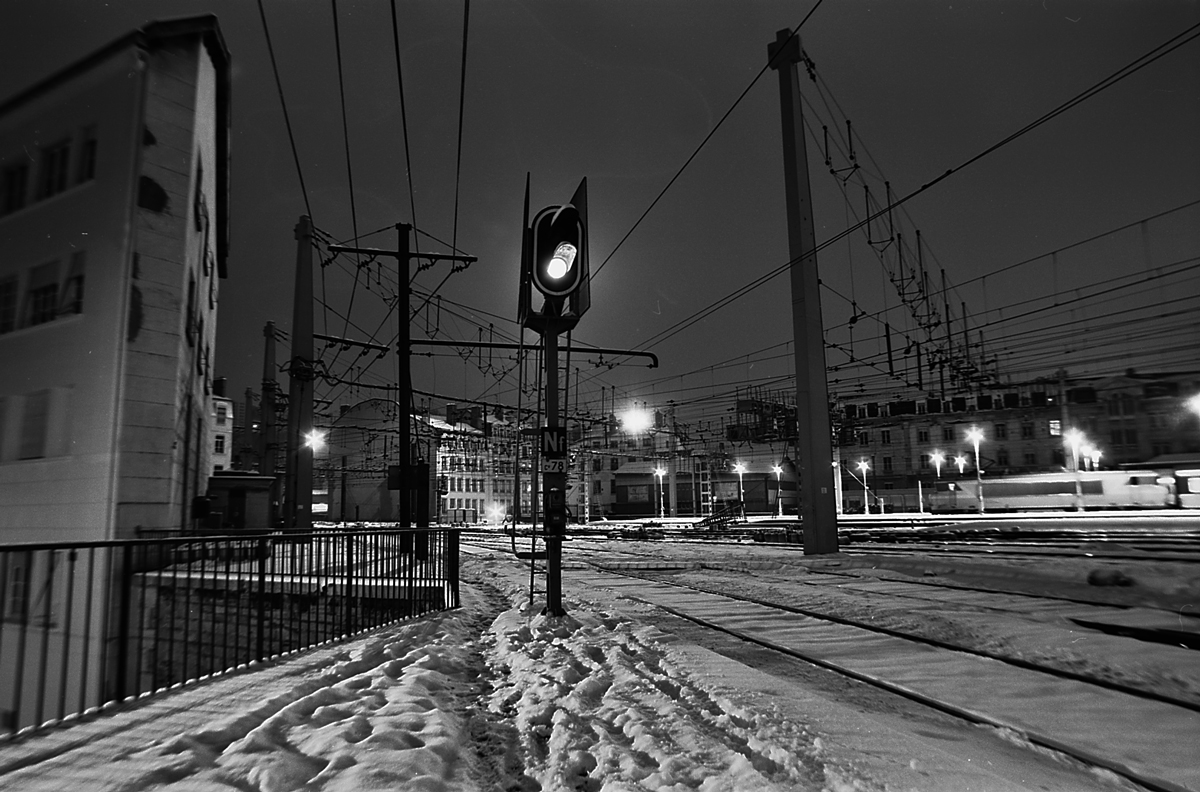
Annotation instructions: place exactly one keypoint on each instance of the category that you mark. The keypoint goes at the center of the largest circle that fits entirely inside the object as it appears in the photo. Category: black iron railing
(82, 625)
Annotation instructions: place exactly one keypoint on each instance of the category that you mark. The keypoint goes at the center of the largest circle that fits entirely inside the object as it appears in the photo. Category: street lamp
(863, 467)
(1087, 450)
(739, 468)
(961, 461)
(778, 488)
(636, 420)
(315, 440)
(1075, 439)
(937, 459)
(659, 472)
(1095, 455)
(974, 435)
(1194, 404)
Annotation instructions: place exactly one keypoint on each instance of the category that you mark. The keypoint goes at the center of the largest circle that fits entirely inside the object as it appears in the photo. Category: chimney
(218, 387)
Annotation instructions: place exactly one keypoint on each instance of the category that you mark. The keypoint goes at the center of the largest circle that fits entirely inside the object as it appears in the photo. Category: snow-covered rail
(1136, 732)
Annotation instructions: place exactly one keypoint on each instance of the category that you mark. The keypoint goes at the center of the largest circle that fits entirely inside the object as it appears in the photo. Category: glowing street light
(1075, 439)
(937, 458)
(660, 472)
(315, 440)
(974, 435)
(1087, 450)
(778, 487)
(863, 467)
(1095, 455)
(739, 468)
(1193, 404)
(961, 461)
(636, 421)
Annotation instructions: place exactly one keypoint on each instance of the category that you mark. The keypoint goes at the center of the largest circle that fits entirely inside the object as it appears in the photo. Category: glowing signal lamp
(558, 237)
(562, 260)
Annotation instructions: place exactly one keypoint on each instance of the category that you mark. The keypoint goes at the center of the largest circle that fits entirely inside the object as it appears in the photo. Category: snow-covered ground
(495, 696)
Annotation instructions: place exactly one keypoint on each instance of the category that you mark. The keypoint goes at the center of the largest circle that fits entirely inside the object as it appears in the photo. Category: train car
(1100, 489)
(1187, 488)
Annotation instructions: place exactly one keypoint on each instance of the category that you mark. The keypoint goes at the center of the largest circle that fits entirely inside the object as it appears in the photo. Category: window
(864, 438)
(189, 317)
(924, 461)
(53, 174)
(614, 463)
(18, 590)
(885, 436)
(8, 304)
(922, 435)
(1002, 457)
(15, 185)
(887, 464)
(1001, 431)
(33, 425)
(1026, 431)
(86, 169)
(41, 296)
(219, 444)
(222, 414)
(1031, 458)
(71, 301)
(1056, 428)
(948, 434)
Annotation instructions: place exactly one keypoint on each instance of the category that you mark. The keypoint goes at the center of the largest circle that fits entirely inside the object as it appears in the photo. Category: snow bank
(600, 704)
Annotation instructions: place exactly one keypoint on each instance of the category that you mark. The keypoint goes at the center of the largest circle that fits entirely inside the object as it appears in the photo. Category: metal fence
(82, 625)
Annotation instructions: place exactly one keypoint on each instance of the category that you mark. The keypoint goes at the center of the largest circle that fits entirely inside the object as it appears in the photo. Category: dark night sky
(624, 92)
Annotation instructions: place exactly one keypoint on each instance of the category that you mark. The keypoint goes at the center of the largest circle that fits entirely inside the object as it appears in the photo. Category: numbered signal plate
(554, 466)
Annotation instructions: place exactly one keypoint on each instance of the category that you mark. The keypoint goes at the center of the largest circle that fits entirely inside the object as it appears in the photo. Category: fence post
(349, 606)
(261, 649)
(452, 539)
(126, 582)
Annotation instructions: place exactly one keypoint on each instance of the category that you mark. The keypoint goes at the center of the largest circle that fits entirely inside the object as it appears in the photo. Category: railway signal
(554, 260)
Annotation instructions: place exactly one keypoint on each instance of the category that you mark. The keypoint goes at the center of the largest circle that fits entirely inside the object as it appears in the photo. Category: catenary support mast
(815, 447)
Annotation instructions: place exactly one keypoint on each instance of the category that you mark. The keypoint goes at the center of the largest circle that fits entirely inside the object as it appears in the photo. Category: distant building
(114, 231)
(1127, 418)
(221, 432)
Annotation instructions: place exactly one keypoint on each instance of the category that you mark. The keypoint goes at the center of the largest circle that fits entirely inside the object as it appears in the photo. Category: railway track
(1129, 728)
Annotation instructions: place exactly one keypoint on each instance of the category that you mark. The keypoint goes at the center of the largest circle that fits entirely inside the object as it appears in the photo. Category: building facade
(113, 223)
(1125, 419)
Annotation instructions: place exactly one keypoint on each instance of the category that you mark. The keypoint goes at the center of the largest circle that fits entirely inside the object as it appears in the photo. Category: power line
(703, 142)
(1112, 79)
(283, 104)
(412, 200)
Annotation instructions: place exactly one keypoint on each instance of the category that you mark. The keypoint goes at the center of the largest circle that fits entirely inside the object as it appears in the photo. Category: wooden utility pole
(403, 352)
(814, 444)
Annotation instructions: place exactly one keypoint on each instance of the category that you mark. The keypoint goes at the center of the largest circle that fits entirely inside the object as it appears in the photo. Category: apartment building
(113, 242)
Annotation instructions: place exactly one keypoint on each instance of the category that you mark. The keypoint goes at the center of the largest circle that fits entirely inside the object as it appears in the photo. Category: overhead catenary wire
(1125, 71)
(283, 105)
(711, 132)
